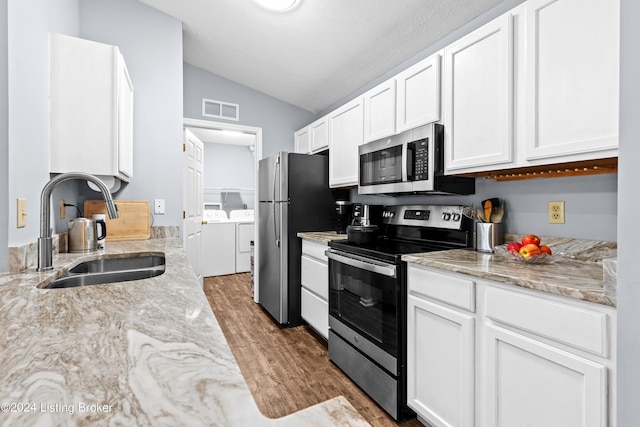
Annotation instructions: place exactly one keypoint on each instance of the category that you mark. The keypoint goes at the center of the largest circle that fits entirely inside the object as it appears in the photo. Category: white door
(192, 204)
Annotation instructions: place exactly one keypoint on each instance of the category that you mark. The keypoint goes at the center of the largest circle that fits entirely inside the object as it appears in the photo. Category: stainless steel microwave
(410, 162)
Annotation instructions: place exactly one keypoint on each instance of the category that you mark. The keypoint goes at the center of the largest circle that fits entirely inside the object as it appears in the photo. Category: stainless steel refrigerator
(294, 196)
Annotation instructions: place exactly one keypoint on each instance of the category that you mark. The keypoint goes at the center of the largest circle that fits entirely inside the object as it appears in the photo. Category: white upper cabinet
(319, 131)
(478, 98)
(418, 94)
(313, 138)
(91, 110)
(303, 140)
(572, 86)
(346, 134)
(380, 111)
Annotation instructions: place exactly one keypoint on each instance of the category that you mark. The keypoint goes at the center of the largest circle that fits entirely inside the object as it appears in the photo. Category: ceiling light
(277, 5)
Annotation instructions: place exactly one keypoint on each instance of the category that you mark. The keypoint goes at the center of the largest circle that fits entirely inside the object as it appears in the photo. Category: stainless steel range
(368, 297)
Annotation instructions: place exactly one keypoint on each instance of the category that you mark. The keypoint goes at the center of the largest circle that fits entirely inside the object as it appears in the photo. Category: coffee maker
(344, 209)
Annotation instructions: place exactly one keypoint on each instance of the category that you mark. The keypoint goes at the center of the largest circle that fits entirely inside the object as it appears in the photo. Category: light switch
(158, 207)
(22, 213)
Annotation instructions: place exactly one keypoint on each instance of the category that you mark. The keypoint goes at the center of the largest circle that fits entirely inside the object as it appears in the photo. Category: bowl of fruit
(529, 250)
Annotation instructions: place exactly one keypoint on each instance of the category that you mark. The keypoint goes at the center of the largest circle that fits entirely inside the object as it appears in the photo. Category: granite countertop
(145, 352)
(579, 274)
(321, 236)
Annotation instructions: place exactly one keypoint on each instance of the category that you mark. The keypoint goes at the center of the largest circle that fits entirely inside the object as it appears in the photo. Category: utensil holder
(488, 235)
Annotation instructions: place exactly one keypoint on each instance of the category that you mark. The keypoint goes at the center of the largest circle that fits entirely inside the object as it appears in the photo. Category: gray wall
(277, 119)
(228, 166)
(628, 219)
(151, 43)
(590, 204)
(4, 138)
(29, 24)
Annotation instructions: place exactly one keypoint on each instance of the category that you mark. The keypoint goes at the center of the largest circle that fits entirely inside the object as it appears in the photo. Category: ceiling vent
(220, 110)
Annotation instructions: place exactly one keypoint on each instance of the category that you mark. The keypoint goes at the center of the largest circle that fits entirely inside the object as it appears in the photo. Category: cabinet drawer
(453, 289)
(315, 276)
(575, 326)
(315, 250)
(316, 312)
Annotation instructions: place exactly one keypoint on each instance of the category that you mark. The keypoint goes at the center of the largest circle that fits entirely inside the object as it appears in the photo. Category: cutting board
(133, 222)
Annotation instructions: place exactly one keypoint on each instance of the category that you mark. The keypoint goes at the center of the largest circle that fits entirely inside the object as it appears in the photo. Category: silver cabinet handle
(362, 263)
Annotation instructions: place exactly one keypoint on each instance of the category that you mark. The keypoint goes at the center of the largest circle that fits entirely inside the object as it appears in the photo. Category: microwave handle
(410, 160)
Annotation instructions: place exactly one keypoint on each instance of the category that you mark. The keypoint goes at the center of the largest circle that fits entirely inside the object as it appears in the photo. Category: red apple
(514, 247)
(529, 250)
(545, 249)
(530, 239)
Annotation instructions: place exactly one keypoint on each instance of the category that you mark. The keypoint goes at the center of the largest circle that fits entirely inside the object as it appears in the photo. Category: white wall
(228, 166)
(277, 119)
(629, 219)
(29, 24)
(4, 138)
(590, 204)
(151, 43)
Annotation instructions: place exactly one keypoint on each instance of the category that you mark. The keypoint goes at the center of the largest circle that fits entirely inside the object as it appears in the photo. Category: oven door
(364, 296)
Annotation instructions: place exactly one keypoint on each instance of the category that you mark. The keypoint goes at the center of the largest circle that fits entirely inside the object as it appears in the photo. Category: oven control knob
(456, 217)
(355, 339)
(446, 216)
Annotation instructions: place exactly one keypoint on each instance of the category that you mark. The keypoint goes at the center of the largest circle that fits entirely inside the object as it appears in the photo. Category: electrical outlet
(158, 207)
(63, 209)
(556, 212)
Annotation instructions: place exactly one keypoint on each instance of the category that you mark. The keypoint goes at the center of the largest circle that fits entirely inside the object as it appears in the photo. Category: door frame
(251, 130)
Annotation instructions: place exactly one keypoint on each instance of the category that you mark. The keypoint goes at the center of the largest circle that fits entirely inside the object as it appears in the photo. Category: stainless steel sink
(110, 270)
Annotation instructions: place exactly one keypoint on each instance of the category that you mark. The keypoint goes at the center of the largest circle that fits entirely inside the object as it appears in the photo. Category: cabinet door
(302, 141)
(478, 98)
(346, 133)
(418, 94)
(531, 383)
(125, 120)
(380, 111)
(440, 363)
(572, 78)
(319, 134)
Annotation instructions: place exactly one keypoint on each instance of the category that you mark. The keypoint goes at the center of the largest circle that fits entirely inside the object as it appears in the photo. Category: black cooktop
(386, 249)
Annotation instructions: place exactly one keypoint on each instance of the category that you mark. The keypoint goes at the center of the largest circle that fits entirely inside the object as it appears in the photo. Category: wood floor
(286, 369)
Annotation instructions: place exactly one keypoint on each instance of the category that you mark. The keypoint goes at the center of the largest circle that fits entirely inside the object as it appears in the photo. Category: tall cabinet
(91, 110)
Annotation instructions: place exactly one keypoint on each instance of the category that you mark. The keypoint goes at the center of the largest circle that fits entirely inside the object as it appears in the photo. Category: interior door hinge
(184, 215)
(184, 147)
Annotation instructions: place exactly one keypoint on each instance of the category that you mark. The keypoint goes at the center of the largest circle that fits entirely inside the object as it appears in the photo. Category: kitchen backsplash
(25, 257)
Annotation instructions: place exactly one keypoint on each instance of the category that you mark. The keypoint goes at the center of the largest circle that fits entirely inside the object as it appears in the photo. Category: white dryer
(218, 243)
(245, 233)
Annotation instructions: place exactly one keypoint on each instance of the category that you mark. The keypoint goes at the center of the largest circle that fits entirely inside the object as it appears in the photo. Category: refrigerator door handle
(275, 226)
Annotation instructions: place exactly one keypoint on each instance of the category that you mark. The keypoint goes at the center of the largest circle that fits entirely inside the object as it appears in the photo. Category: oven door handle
(362, 263)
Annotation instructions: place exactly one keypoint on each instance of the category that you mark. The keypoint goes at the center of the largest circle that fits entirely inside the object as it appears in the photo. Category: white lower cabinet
(482, 353)
(440, 347)
(534, 384)
(315, 287)
(440, 363)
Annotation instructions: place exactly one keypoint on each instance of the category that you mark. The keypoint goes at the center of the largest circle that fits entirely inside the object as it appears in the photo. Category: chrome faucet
(45, 242)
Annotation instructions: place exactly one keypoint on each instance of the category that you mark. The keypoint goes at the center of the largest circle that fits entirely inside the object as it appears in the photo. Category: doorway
(227, 133)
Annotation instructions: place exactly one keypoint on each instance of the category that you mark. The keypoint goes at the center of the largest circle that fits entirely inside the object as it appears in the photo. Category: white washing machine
(245, 233)
(218, 244)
